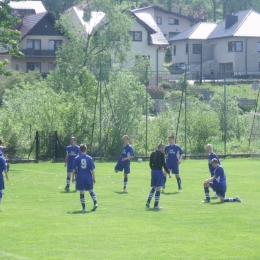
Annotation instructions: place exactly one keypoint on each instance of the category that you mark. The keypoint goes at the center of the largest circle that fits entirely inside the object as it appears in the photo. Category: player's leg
(206, 191)
(126, 173)
(178, 179)
(221, 195)
(165, 179)
(1, 194)
(152, 191)
(69, 172)
(82, 200)
(159, 184)
(94, 198)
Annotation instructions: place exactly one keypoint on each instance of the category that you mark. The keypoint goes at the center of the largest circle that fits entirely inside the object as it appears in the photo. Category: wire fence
(217, 107)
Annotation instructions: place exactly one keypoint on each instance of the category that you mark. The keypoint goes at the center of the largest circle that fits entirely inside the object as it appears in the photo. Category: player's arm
(73, 175)
(93, 176)
(164, 165)
(180, 159)
(211, 179)
(66, 159)
(6, 174)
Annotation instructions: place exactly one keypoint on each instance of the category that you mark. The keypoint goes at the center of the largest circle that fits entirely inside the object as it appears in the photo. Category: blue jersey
(71, 152)
(2, 151)
(2, 168)
(220, 180)
(173, 154)
(210, 157)
(84, 165)
(127, 152)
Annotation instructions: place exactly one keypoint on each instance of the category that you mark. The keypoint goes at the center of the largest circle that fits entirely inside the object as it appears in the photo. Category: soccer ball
(140, 160)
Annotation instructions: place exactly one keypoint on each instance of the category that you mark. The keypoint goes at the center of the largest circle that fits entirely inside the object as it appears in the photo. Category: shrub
(156, 92)
(165, 85)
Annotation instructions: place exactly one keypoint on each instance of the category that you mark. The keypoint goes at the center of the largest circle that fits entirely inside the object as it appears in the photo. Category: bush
(156, 92)
(165, 85)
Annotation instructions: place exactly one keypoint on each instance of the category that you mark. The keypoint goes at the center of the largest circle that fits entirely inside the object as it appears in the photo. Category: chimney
(230, 20)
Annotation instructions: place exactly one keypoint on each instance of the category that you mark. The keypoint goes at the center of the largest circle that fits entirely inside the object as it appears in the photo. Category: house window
(174, 50)
(196, 48)
(16, 67)
(34, 44)
(158, 20)
(54, 45)
(51, 66)
(258, 46)
(136, 36)
(173, 21)
(33, 66)
(235, 46)
(171, 34)
(187, 48)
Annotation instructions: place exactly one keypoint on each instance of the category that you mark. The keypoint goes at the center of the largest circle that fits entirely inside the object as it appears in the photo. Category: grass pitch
(39, 220)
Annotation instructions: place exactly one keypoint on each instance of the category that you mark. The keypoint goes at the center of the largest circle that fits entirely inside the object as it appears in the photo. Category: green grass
(40, 221)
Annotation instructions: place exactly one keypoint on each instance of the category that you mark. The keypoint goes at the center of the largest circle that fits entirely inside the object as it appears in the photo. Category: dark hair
(83, 148)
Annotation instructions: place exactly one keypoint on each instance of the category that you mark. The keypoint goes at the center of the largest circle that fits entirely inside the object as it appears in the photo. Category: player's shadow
(216, 203)
(152, 210)
(121, 192)
(63, 191)
(170, 193)
(78, 212)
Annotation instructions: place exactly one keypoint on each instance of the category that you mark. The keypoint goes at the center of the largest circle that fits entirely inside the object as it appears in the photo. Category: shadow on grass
(121, 192)
(64, 191)
(78, 212)
(152, 209)
(169, 193)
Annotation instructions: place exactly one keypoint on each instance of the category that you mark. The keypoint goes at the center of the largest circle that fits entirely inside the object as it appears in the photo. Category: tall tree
(9, 38)
(57, 7)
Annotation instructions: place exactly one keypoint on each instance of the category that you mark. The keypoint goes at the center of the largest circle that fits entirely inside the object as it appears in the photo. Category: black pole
(37, 146)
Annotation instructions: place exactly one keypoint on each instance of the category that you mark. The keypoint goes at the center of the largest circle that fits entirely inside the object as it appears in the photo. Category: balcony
(31, 53)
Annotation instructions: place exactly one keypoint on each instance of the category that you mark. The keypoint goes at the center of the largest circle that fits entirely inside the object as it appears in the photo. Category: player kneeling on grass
(218, 183)
(157, 161)
(85, 176)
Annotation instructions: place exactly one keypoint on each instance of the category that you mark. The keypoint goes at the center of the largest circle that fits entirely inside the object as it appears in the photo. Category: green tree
(9, 38)
(109, 43)
(57, 7)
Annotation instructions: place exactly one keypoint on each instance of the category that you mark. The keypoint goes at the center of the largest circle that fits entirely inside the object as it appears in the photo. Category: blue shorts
(121, 168)
(173, 169)
(81, 185)
(219, 191)
(157, 179)
(2, 183)
(69, 168)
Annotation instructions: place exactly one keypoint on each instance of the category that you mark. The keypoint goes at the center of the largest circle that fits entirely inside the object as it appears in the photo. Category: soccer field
(39, 220)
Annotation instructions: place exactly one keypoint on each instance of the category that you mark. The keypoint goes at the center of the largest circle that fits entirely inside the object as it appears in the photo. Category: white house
(226, 49)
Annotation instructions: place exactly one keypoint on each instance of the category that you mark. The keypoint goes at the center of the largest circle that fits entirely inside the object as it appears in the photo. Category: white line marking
(13, 256)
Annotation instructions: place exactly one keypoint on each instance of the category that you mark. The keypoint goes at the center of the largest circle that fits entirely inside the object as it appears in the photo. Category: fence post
(55, 145)
(37, 145)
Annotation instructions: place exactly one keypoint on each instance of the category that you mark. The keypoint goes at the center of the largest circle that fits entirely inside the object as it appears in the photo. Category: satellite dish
(255, 86)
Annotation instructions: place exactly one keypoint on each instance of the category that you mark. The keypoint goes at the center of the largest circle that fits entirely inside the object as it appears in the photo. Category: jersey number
(83, 163)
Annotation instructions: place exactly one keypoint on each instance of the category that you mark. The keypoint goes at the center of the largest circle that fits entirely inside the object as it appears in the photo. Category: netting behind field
(254, 139)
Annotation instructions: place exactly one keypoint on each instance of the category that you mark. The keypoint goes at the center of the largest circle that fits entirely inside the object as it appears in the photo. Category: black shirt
(157, 161)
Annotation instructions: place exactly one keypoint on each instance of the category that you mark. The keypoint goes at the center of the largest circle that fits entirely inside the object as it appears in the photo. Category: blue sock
(94, 197)
(125, 182)
(150, 195)
(206, 189)
(68, 181)
(230, 200)
(179, 183)
(82, 200)
(157, 198)
(1, 196)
